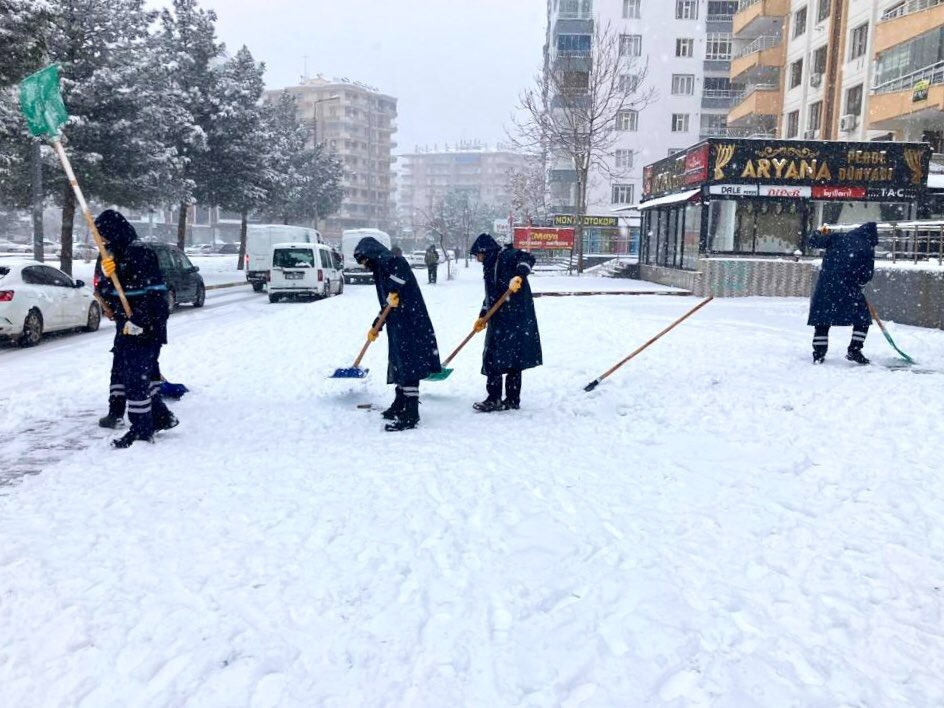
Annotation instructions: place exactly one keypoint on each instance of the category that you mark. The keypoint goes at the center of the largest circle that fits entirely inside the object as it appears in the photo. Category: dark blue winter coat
(848, 265)
(140, 276)
(414, 354)
(512, 340)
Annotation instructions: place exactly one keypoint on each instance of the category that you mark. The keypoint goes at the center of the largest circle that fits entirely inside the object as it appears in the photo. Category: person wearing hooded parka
(413, 352)
(138, 339)
(512, 341)
(848, 265)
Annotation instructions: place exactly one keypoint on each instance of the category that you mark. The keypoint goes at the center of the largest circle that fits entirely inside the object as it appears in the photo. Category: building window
(621, 194)
(714, 125)
(859, 41)
(854, 100)
(718, 46)
(623, 159)
(629, 83)
(685, 47)
(799, 22)
(680, 122)
(683, 84)
(819, 61)
(686, 9)
(814, 117)
(823, 12)
(793, 124)
(631, 9)
(796, 73)
(627, 120)
(630, 45)
(573, 43)
(722, 10)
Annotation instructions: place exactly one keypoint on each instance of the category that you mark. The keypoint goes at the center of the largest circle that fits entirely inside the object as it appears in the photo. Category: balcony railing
(753, 88)
(720, 17)
(737, 133)
(909, 8)
(744, 4)
(759, 45)
(934, 74)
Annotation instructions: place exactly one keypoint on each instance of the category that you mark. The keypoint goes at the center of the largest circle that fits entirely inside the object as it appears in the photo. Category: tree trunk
(578, 217)
(182, 226)
(243, 228)
(36, 157)
(68, 215)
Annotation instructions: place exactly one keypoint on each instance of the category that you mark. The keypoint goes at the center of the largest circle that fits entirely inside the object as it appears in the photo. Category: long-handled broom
(445, 373)
(593, 384)
(355, 372)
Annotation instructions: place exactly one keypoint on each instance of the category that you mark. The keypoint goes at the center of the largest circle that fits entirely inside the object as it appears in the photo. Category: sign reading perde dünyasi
(875, 167)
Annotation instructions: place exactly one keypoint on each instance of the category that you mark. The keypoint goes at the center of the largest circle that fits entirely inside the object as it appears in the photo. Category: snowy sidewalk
(718, 524)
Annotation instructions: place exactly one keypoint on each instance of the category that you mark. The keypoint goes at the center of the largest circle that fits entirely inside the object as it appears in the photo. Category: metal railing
(934, 74)
(744, 4)
(720, 93)
(907, 240)
(720, 17)
(759, 45)
(753, 88)
(909, 8)
(737, 133)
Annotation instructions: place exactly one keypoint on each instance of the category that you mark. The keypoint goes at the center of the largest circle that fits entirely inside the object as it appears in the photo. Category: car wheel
(257, 287)
(171, 302)
(201, 296)
(341, 286)
(32, 329)
(94, 318)
(274, 298)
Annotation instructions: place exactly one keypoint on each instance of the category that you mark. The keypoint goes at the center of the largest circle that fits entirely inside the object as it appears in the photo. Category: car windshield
(293, 258)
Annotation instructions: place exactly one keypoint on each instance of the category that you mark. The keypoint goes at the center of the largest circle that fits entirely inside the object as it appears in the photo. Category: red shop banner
(539, 239)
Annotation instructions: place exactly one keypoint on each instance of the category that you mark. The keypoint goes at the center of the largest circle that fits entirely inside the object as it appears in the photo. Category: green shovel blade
(439, 375)
(41, 102)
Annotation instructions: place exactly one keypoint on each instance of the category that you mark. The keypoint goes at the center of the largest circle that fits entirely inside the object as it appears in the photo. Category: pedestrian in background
(432, 263)
(512, 342)
(837, 300)
(412, 350)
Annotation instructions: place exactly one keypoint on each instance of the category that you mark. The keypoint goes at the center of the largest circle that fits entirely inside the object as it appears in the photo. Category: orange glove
(108, 266)
(479, 324)
(372, 335)
(393, 299)
(515, 284)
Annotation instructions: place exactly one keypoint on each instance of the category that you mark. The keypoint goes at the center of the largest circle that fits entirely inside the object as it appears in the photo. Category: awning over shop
(669, 199)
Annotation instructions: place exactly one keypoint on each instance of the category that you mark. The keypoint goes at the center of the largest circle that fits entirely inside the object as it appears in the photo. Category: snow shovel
(888, 337)
(444, 374)
(355, 372)
(593, 384)
(41, 104)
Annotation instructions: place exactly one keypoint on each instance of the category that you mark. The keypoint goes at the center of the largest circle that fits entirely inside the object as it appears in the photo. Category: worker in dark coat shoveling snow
(413, 353)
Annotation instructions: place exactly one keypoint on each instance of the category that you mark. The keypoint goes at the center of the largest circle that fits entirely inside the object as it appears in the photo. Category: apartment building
(356, 123)
(840, 69)
(476, 169)
(685, 47)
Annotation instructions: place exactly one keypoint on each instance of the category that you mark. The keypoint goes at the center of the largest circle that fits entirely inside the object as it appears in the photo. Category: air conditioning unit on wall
(849, 122)
(816, 79)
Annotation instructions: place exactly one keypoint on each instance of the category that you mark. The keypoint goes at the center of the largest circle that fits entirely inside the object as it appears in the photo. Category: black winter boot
(819, 357)
(396, 408)
(408, 418)
(110, 421)
(128, 438)
(488, 406)
(857, 356)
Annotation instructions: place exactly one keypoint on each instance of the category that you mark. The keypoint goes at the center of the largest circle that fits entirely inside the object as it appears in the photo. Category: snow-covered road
(719, 523)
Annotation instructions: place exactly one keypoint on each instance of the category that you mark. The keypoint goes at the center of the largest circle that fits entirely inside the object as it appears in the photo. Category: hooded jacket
(512, 340)
(848, 265)
(413, 352)
(140, 277)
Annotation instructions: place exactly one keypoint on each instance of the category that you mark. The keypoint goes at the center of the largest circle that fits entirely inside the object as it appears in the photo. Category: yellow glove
(108, 266)
(372, 335)
(393, 300)
(515, 284)
(479, 324)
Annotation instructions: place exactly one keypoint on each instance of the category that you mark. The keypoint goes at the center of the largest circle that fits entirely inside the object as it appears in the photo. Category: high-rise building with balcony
(355, 123)
(685, 48)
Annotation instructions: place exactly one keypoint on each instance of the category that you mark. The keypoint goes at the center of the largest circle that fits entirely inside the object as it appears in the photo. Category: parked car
(200, 249)
(228, 249)
(304, 269)
(184, 282)
(417, 259)
(36, 298)
(8, 246)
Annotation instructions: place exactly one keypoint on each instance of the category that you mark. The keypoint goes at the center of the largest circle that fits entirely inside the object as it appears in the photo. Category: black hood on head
(483, 244)
(371, 249)
(115, 230)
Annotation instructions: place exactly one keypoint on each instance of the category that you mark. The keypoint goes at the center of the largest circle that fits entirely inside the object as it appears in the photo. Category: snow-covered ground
(718, 524)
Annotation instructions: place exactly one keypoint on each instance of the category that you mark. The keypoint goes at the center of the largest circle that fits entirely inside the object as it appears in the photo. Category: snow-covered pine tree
(189, 48)
(238, 177)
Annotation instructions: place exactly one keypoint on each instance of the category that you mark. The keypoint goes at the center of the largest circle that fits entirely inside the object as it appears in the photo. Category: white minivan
(304, 270)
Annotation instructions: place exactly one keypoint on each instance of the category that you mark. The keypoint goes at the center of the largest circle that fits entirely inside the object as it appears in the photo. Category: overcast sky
(455, 66)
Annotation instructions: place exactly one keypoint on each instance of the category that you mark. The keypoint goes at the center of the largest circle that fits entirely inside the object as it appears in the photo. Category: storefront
(604, 234)
(764, 197)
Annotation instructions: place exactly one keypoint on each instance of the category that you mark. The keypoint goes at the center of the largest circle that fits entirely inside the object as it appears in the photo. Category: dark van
(184, 282)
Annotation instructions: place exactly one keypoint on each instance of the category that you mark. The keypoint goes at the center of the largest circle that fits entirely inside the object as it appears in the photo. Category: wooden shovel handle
(488, 315)
(375, 329)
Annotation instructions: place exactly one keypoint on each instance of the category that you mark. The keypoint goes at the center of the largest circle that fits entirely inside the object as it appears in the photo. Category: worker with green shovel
(512, 341)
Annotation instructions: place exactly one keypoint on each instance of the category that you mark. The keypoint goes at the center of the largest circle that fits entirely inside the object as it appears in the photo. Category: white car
(8, 246)
(36, 298)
